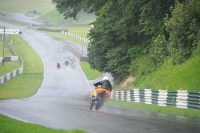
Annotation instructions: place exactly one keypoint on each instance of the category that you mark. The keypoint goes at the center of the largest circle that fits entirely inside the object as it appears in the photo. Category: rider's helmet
(105, 78)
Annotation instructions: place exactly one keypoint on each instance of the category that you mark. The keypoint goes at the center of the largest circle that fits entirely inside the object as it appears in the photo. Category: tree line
(134, 37)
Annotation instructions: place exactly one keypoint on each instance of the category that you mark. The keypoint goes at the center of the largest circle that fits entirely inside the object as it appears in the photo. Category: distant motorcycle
(98, 98)
(66, 63)
(58, 65)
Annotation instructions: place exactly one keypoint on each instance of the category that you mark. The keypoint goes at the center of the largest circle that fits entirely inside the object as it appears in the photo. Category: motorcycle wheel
(91, 104)
(98, 103)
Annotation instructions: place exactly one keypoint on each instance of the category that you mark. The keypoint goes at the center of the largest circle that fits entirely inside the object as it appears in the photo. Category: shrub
(158, 49)
(142, 66)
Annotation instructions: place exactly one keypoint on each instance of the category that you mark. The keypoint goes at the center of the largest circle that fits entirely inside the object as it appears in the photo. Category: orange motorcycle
(99, 96)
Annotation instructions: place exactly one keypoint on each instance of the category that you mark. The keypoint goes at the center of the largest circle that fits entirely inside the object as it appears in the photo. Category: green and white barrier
(14, 20)
(14, 73)
(179, 98)
(11, 58)
(11, 75)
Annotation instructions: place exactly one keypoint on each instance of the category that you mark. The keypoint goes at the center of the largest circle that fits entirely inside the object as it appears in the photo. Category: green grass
(81, 31)
(9, 125)
(22, 6)
(179, 77)
(32, 76)
(6, 49)
(8, 66)
(65, 37)
(55, 17)
(91, 74)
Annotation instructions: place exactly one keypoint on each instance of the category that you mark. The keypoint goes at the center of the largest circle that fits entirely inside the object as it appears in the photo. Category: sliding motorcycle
(99, 96)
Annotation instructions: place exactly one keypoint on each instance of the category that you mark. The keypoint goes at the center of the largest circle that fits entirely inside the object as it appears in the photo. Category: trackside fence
(179, 98)
(35, 27)
(75, 37)
(76, 52)
(14, 20)
(11, 75)
(14, 73)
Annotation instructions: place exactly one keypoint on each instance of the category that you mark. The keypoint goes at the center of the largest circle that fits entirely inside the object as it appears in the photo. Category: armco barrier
(77, 53)
(179, 98)
(14, 20)
(35, 27)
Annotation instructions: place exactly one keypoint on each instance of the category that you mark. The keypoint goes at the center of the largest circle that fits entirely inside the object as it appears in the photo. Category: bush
(142, 66)
(158, 49)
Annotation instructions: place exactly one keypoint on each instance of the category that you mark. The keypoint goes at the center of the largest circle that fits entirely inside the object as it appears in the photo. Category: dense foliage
(183, 27)
(133, 37)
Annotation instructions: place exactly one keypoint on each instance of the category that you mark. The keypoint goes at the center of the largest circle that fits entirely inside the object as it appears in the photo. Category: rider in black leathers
(105, 83)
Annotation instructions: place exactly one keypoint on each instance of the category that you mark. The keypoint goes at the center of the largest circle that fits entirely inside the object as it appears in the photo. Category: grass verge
(21, 6)
(185, 76)
(91, 74)
(81, 31)
(55, 17)
(32, 76)
(65, 37)
(154, 108)
(8, 66)
(9, 125)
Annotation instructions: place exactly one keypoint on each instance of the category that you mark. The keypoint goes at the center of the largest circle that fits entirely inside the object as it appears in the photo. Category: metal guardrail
(14, 20)
(76, 52)
(32, 26)
(179, 98)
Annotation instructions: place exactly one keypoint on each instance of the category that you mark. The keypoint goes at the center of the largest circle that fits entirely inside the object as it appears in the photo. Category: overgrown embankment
(185, 76)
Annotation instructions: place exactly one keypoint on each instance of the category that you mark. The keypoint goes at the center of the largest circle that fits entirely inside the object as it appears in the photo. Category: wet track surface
(63, 99)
